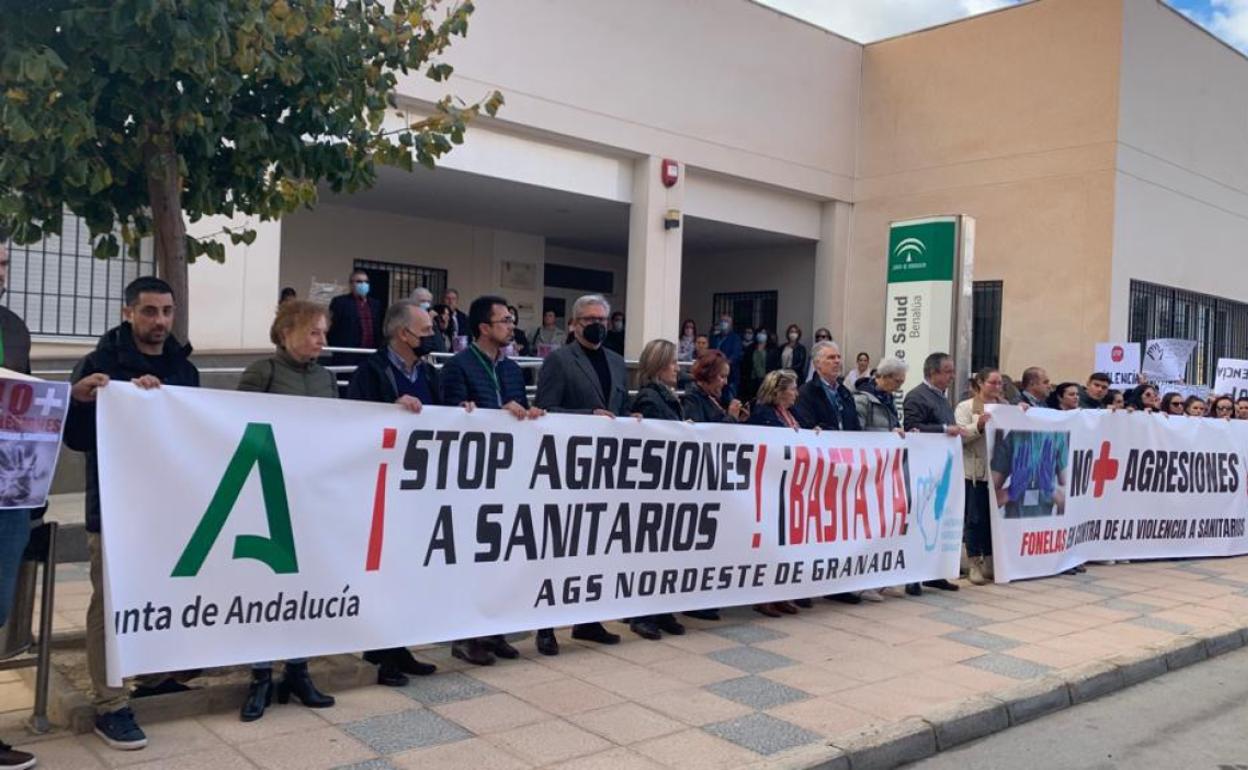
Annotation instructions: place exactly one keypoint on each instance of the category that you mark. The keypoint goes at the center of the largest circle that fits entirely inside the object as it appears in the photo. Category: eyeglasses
(597, 319)
(508, 321)
(1225, 408)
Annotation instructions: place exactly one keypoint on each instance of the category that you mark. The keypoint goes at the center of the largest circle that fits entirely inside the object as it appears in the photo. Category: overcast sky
(868, 20)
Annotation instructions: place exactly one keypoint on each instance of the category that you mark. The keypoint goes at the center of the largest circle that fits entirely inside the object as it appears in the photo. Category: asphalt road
(1192, 719)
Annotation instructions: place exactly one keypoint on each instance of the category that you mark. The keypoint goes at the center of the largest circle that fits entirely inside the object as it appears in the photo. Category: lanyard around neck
(489, 369)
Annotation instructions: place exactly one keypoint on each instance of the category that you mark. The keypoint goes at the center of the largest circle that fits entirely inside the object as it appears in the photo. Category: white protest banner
(1121, 361)
(1232, 378)
(240, 527)
(1076, 486)
(1165, 360)
(32, 419)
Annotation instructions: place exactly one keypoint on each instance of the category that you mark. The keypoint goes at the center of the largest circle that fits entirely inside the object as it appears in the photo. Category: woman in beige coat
(974, 421)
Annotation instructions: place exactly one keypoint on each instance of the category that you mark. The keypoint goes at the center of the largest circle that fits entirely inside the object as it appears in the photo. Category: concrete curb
(945, 727)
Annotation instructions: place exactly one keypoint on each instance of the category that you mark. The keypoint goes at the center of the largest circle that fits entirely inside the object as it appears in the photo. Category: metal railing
(17, 636)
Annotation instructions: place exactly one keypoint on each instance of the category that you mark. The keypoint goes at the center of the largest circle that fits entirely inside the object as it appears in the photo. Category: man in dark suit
(354, 321)
(824, 402)
(583, 377)
(927, 410)
(460, 330)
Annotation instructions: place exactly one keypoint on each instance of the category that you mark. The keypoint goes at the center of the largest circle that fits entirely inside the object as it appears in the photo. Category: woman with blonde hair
(656, 400)
(773, 408)
(299, 332)
(986, 388)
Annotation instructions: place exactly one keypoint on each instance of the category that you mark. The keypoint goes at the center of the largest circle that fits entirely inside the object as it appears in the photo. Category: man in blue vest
(482, 377)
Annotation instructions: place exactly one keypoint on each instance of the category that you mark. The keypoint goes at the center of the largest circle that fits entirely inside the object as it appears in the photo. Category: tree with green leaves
(138, 114)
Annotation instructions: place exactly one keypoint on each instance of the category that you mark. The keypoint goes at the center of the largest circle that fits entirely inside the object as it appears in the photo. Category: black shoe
(389, 675)
(163, 687)
(847, 598)
(914, 589)
(645, 629)
(942, 584)
(499, 646)
(703, 614)
(668, 624)
(259, 695)
(1079, 570)
(594, 632)
(12, 759)
(297, 682)
(804, 603)
(472, 651)
(547, 644)
(403, 659)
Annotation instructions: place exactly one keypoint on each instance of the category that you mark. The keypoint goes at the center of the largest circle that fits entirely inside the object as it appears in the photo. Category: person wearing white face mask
(757, 357)
(434, 343)
(354, 321)
(791, 354)
(728, 342)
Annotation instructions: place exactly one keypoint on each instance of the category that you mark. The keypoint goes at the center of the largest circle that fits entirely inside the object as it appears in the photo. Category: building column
(832, 270)
(232, 303)
(652, 308)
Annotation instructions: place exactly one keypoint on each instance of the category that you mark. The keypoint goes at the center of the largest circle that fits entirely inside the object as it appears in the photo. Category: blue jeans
(14, 534)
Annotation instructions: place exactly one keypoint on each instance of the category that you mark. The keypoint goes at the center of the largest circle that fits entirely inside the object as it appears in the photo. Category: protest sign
(1076, 486)
(1165, 360)
(241, 527)
(1121, 361)
(32, 419)
(1184, 391)
(1232, 378)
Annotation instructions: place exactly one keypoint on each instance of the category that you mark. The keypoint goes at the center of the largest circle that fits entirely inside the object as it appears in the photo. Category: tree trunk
(164, 190)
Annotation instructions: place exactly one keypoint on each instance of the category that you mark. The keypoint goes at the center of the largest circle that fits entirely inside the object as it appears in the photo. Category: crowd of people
(725, 377)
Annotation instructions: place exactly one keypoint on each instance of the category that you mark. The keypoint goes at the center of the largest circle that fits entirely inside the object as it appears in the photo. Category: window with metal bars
(986, 324)
(1218, 325)
(755, 309)
(391, 281)
(61, 290)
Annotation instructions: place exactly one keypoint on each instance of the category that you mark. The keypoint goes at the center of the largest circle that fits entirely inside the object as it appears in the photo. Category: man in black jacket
(354, 321)
(460, 329)
(927, 410)
(583, 377)
(15, 522)
(824, 402)
(141, 350)
(397, 374)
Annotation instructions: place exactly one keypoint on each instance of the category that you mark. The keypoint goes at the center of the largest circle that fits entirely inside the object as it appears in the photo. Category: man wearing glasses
(480, 376)
(583, 378)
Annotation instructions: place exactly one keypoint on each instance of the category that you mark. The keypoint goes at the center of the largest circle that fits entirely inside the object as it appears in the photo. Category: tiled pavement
(742, 691)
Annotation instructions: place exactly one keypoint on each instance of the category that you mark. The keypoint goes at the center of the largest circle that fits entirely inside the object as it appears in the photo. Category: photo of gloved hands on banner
(1029, 472)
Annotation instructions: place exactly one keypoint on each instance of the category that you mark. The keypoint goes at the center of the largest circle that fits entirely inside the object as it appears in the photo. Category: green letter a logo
(257, 448)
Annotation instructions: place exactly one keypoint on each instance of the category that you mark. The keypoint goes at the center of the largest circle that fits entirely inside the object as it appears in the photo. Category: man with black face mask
(398, 374)
(583, 377)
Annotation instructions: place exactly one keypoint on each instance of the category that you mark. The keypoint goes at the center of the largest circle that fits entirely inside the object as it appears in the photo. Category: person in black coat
(926, 409)
(354, 321)
(656, 400)
(824, 402)
(774, 408)
(790, 347)
(458, 327)
(583, 377)
(704, 393)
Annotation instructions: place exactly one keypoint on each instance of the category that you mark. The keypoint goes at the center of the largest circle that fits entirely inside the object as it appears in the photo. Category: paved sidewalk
(747, 690)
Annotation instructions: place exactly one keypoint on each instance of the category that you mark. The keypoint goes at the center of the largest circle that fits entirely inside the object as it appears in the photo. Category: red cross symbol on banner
(1104, 468)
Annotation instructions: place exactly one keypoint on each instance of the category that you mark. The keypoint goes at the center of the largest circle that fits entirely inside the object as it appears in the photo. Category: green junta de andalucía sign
(922, 251)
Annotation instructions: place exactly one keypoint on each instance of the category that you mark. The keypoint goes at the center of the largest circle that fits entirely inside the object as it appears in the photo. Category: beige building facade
(1100, 145)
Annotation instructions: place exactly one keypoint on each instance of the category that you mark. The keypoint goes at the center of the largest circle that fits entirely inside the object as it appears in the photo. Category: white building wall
(323, 244)
(729, 86)
(787, 270)
(1181, 201)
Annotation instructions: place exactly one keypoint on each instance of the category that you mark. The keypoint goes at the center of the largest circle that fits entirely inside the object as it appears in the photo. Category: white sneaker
(872, 595)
